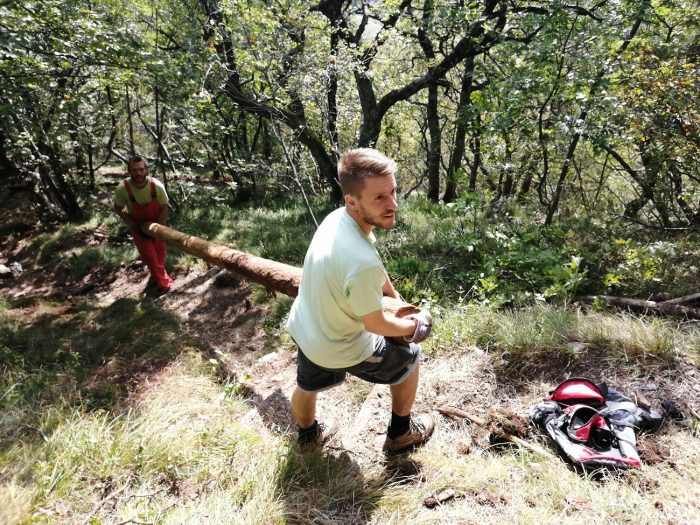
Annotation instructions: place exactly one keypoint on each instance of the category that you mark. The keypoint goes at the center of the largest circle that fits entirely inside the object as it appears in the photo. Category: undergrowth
(465, 251)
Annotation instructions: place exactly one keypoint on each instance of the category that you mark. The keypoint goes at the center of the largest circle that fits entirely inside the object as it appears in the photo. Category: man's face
(376, 206)
(138, 172)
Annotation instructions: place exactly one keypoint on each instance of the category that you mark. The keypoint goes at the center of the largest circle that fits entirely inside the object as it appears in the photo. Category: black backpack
(594, 426)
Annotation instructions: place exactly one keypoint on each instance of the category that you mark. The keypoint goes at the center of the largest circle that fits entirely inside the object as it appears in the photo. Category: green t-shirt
(142, 195)
(341, 282)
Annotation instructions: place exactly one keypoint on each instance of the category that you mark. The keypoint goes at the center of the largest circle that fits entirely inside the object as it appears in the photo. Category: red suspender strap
(128, 191)
(154, 193)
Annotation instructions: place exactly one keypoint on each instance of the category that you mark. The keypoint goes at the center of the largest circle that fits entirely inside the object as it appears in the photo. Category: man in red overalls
(145, 199)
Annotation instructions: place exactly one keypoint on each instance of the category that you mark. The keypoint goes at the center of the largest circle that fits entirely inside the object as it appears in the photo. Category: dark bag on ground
(594, 426)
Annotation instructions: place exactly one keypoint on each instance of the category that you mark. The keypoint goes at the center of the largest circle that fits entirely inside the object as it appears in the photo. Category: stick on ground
(457, 413)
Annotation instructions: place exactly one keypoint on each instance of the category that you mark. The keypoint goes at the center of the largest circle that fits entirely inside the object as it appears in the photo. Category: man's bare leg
(304, 407)
(403, 395)
(405, 431)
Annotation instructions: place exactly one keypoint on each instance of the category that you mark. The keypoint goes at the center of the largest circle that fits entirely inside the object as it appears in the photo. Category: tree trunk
(273, 275)
(595, 86)
(432, 114)
(130, 122)
(332, 96)
(434, 144)
(476, 155)
(506, 188)
(459, 143)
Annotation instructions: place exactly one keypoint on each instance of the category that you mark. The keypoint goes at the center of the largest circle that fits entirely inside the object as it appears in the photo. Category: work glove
(424, 325)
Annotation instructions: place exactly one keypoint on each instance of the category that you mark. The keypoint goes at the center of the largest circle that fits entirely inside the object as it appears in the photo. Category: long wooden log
(273, 275)
(663, 307)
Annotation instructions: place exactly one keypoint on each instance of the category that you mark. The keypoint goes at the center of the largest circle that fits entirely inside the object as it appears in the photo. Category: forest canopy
(533, 111)
(589, 104)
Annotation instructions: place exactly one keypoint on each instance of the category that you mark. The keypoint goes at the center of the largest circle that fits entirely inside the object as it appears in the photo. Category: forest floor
(215, 307)
(220, 311)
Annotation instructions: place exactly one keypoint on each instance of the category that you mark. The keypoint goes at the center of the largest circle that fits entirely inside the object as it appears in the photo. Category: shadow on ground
(323, 487)
(79, 355)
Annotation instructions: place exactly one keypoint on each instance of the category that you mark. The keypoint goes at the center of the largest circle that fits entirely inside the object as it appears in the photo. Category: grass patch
(81, 262)
(50, 245)
(630, 336)
(75, 247)
(544, 333)
(84, 357)
(324, 488)
(177, 455)
(279, 230)
(514, 487)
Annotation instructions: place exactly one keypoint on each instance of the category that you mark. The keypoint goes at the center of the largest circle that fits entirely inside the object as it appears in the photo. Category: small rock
(269, 358)
(535, 467)
(433, 501)
(577, 346)
(651, 386)
(16, 268)
(641, 400)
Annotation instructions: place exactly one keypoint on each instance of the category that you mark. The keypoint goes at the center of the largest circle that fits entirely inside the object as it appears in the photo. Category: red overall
(152, 250)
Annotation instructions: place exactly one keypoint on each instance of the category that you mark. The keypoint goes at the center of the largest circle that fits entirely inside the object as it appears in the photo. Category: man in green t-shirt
(138, 199)
(337, 319)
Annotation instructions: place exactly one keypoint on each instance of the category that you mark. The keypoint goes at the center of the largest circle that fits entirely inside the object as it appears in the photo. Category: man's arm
(389, 326)
(119, 210)
(163, 214)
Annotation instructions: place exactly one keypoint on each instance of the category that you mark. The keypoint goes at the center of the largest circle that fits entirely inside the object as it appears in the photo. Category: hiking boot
(418, 433)
(325, 431)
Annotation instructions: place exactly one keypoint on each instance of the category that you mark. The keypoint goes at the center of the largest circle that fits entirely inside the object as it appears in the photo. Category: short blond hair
(358, 164)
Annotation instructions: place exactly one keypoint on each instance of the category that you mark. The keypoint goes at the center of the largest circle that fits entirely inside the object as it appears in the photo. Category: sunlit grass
(632, 336)
(176, 453)
(541, 332)
(496, 487)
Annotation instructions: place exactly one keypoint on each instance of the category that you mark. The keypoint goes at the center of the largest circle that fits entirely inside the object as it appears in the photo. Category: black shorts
(390, 364)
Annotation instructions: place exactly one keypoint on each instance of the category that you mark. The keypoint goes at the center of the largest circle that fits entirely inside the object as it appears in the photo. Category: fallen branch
(662, 307)
(455, 412)
(684, 299)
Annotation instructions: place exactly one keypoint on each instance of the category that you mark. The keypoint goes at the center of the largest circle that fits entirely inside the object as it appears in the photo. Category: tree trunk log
(273, 275)
(664, 307)
(684, 299)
